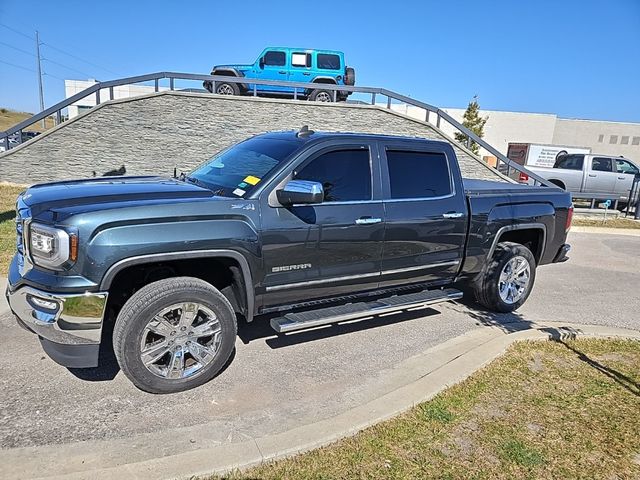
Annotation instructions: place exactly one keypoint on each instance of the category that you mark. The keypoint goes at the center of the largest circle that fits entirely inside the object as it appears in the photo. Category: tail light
(523, 177)
(569, 218)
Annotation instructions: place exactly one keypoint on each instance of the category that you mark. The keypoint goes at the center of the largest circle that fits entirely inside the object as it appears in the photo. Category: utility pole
(40, 77)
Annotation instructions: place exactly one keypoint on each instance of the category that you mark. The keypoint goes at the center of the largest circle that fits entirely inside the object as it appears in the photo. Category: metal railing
(504, 164)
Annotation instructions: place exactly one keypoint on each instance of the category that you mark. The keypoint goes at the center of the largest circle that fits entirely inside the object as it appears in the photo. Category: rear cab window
(417, 174)
(328, 61)
(570, 162)
(301, 60)
(602, 164)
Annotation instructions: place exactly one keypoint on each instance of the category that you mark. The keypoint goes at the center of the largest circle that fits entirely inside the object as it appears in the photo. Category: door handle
(452, 215)
(622, 178)
(282, 72)
(306, 73)
(368, 221)
(592, 175)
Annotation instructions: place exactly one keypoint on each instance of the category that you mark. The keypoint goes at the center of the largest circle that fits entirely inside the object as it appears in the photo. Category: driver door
(332, 248)
(273, 65)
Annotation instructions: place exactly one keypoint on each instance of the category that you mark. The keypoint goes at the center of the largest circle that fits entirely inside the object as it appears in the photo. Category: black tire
(144, 305)
(227, 88)
(486, 289)
(321, 95)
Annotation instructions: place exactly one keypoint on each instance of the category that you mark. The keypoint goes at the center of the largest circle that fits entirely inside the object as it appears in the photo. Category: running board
(323, 316)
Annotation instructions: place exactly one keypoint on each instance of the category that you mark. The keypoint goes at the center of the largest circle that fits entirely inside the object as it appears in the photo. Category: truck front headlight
(49, 247)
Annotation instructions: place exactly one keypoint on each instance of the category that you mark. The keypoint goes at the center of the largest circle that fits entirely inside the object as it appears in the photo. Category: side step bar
(323, 316)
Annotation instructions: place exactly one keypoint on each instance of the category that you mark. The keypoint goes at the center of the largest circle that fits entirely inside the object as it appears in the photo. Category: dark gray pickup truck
(322, 227)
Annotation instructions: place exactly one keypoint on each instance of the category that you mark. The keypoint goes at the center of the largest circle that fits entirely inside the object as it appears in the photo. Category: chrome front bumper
(66, 323)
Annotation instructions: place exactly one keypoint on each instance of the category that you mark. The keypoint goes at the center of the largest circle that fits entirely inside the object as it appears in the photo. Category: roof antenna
(304, 132)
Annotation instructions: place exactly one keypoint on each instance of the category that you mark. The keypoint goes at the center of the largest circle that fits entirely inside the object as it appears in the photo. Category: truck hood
(99, 192)
(238, 67)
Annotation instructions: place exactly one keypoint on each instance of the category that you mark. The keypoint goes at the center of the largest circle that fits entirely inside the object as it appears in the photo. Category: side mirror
(261, 62)
(300, 192)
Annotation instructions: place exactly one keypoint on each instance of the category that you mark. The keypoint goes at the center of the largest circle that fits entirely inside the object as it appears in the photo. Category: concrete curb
(4, 306)
(420, 378)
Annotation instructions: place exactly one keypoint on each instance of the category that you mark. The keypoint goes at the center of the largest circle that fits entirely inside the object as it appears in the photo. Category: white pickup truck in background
(592, 175)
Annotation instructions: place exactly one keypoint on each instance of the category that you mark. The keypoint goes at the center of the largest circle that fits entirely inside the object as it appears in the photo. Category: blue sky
(577, 59)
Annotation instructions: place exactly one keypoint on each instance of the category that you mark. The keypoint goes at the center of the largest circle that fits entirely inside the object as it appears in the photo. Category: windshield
(235, 172)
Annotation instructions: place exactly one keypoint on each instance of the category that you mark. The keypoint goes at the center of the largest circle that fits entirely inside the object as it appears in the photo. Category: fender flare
(226, 71)
(520, 226)
(114, 269)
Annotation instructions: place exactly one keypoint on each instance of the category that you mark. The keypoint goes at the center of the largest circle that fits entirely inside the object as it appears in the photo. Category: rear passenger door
(425, 214)
(601, 177)
(300, 67)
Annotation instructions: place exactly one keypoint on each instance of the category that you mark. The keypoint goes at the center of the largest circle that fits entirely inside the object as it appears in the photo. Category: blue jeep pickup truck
(313, 228)
(317, 67)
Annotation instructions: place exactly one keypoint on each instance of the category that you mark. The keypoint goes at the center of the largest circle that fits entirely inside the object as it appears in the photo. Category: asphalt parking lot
(277, 383)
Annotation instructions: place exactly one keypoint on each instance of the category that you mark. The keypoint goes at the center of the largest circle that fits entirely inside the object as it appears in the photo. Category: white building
(71, 87)
(502, 128)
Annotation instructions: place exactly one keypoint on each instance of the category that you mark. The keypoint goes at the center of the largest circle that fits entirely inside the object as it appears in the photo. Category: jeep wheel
(508, 278)
(174, 334)
(224, 88)
(321, 96)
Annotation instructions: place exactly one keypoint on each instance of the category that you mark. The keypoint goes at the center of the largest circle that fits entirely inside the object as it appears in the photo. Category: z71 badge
(288, 268)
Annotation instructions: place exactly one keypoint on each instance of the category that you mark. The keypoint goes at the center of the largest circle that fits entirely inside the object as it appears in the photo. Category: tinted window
(274, 58)
(623, 166)
(418, 174)
(301, 59)
(601, 164)
(328, 61)
(344, 174)
(570, 162)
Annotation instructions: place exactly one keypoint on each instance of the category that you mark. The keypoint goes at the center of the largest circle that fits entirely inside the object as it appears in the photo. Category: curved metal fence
(504, 164)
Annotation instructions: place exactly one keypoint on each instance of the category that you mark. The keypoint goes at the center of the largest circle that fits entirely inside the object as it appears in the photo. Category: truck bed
(473, 187)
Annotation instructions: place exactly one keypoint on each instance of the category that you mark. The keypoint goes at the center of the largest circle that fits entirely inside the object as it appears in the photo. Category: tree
(474, 122)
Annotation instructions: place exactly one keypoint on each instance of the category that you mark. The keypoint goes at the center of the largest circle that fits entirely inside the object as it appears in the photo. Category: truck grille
(22, 214)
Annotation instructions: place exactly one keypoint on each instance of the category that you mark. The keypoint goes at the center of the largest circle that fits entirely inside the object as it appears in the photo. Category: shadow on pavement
(261, 329)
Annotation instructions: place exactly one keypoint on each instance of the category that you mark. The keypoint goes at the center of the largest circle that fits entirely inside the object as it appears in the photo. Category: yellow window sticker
(251, 180)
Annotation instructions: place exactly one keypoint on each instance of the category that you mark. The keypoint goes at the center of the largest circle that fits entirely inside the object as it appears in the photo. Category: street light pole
(40, 76)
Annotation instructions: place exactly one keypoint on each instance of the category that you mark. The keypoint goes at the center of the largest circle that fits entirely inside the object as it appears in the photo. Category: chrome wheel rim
(224, 89)
(323, 97)
(514, 280)
(180, 341)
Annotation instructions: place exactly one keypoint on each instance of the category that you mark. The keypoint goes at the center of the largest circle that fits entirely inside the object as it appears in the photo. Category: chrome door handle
(368, 221)
(452, 215)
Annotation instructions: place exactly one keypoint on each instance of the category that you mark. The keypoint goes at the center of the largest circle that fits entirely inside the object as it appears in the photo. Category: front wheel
(226, 88)
(507, 279)
(174, 334)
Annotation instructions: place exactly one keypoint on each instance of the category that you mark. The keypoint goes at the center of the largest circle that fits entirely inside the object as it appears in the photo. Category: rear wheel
(507, 279)
(174, 334)
(321, 96)
(227, 88)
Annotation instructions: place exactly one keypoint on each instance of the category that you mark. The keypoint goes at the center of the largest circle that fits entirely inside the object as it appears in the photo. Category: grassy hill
(9, 118)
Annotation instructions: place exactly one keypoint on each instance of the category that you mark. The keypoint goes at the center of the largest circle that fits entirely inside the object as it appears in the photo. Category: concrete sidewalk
(419, 378)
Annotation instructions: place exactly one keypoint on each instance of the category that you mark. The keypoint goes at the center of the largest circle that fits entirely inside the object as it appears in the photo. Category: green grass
(8, 194)
(544, 410)
(609, 223)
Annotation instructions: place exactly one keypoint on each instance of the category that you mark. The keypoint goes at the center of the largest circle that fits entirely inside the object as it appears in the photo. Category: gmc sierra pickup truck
(312, 228)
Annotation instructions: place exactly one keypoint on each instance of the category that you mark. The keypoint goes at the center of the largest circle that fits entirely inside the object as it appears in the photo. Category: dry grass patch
(544, 410)
(8, 194)
(9, 118)
(609, 223)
